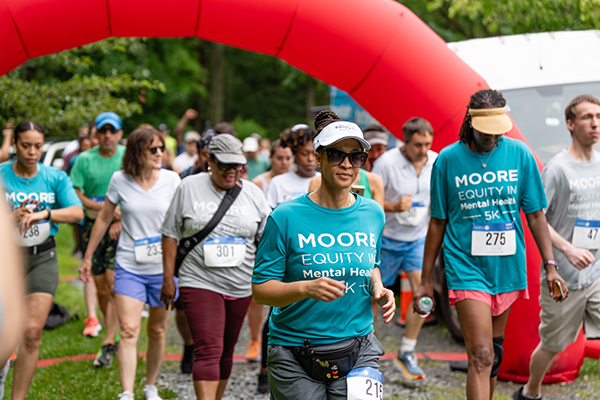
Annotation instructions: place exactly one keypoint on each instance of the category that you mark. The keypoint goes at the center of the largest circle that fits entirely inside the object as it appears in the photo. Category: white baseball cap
(337, 131)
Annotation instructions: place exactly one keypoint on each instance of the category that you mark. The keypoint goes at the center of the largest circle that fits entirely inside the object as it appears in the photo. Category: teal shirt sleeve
(533, 196)
(271, 255)
(438, 192)
(65, 194)
(78, 173)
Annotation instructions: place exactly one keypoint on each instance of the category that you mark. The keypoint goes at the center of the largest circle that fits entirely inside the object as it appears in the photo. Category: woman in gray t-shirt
(214, 278)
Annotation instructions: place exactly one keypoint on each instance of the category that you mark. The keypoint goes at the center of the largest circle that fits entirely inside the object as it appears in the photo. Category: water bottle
(425, 305)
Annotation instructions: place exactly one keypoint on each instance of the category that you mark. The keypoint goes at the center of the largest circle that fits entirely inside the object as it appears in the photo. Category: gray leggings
(288, 380)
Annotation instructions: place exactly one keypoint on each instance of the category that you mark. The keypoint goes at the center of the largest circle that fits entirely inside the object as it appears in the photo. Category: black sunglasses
(356, 158)
(153, 150)
(225, 167)
(106, 130)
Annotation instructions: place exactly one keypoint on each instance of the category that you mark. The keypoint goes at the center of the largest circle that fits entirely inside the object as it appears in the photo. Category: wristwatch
(551, 262)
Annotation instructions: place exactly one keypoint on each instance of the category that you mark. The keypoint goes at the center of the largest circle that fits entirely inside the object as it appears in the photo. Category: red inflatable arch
(376, 50)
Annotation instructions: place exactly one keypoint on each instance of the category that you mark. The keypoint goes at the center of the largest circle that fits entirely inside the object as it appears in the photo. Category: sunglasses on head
(224, 167)
(153, 150)
(356, 158)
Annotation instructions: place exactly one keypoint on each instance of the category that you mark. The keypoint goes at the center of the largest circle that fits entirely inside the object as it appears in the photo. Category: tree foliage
(463, 19)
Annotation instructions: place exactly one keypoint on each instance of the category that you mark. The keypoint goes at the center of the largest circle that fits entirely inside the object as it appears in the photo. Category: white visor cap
(337, 131)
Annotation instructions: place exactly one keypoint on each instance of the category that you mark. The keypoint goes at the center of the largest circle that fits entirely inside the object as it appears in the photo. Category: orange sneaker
(92, 327)
(254, 348)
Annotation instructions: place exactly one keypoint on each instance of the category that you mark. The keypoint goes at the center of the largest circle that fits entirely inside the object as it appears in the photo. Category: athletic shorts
(561, 322)
(105, 254)
(288, 380)
(42, 272)
(145, 288)
(400, 256)
(498, 302)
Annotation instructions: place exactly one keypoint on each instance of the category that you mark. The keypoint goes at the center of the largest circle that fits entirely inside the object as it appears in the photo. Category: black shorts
(105, 254)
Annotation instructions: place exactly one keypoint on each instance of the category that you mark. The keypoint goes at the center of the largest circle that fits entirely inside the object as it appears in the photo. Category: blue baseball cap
(109, 118)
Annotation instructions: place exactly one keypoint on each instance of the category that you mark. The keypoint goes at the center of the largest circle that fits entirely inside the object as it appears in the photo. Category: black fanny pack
(330, 362)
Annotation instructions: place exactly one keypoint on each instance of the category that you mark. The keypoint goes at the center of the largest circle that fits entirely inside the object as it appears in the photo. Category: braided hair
(482, 99)
(296, 137)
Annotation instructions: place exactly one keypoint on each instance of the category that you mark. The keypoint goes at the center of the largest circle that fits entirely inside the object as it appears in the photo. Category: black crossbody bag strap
(187, 244)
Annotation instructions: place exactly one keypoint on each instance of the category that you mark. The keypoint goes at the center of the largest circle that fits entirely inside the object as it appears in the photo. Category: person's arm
(257, 182)
(67, 215)
(539, 228)
(169, 253)
(580, 258)
(87, 202)
(384, 297)
(377, 190)
(189, 114)
(433, 242)
(101, 224)
(405, 203)
(280, 294)
(7, 135)
(315, 182)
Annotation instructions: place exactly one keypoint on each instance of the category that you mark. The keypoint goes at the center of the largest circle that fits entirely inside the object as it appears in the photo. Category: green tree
(464, 19)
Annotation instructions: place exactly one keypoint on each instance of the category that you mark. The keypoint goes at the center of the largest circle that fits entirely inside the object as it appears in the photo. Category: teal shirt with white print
(488, 200)
(304, 241)
(50, 186)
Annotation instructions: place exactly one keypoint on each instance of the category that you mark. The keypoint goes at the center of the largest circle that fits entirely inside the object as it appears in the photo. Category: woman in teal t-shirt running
(41, 197)
(317, 265)
(479, 186)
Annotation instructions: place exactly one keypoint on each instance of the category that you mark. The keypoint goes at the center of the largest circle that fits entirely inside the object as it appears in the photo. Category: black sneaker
(263, 382)
(107, 351)
(519, 394)
(187, 362)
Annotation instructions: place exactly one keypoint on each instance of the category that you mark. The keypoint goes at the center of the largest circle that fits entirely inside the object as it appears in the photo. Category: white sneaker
(126, 396)
(151, 393)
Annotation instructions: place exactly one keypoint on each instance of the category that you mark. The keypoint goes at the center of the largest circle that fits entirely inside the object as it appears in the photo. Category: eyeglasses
(153, 150)
(224, 167)
(107, 130)
(356, 158)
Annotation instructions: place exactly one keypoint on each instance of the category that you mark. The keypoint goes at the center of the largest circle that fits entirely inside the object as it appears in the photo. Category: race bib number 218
(364, 384)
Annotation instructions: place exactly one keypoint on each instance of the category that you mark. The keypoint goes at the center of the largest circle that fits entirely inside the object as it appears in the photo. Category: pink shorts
(498, 302)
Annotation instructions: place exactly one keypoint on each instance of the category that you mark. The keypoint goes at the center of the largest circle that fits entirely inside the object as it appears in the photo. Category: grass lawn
(79, 379)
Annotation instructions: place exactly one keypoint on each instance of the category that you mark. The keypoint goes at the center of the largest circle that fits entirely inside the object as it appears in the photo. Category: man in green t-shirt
(91, 175)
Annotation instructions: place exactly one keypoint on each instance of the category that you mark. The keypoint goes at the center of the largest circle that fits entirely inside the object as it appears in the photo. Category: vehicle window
(540, 114)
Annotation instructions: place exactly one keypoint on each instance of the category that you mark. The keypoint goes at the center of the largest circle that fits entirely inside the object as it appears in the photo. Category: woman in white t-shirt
(144, 192)
(294, 184)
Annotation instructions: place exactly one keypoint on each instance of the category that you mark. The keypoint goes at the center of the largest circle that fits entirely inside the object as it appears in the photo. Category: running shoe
(187, 362)
(151, 393)
(254, 348)
(263, 382)
(104, 356)
(92, 327)
(3, 373)
(519, 394)
(126, 396)
(407, 364)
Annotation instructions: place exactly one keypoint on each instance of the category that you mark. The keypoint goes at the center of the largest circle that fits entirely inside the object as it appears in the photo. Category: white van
(538, 74)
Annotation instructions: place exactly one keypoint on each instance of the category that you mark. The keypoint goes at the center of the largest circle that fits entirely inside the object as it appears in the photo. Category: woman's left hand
(385, 298)
(115, 230)
(167, 292)
(30, 219)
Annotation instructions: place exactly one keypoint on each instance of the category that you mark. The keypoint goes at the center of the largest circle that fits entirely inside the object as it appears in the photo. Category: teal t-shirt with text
(484, 200)
(50, 186)
(304, 241)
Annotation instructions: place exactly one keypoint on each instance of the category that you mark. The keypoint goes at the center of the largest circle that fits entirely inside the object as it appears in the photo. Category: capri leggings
(215, 322)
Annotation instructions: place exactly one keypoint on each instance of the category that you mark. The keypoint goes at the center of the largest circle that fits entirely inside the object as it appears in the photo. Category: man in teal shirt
(91, 175)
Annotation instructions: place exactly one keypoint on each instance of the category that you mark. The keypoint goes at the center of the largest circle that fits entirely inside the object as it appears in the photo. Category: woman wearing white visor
(317, 265)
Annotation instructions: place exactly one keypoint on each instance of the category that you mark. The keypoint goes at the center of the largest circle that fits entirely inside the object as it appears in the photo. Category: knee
(129, 330)
(156, 332)
(481, 358)
(32, 337)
